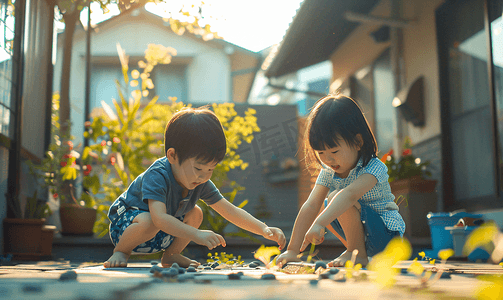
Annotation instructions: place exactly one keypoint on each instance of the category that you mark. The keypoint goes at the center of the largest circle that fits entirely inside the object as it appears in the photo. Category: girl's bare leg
(353, 229)
(141, 230)
(329, 227)
(172, 255)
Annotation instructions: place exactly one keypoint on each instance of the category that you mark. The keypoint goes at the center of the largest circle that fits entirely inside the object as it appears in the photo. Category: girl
(360, 208)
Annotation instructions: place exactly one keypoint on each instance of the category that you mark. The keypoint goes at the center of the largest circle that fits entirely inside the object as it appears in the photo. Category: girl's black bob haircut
(196, 132)
(334, 117)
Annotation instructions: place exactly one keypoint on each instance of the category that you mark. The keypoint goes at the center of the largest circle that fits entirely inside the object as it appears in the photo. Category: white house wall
(421, 59)
(208, 73)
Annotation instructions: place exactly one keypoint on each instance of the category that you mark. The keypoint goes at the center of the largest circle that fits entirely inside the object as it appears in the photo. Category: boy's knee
(194, 217)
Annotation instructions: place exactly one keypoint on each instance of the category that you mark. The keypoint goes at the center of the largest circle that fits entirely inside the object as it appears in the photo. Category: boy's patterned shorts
(119, 223)
(377, 235)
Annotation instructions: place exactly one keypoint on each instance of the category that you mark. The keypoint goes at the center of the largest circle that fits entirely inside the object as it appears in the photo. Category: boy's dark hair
(333, 118)
(196, 132)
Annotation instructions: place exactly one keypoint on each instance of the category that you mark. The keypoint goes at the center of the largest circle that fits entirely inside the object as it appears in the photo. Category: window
(470, 85)
(7, 22)
(169, 81)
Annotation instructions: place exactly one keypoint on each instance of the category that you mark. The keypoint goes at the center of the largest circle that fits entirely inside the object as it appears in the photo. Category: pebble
(193, 265)
(68, 275)
(154, 262)
(32, 288)
(324, 275)
(155, 268)
(175, 266)
(207, 268)
(191, 269)
(268, 276)
(333, 271)
(253, 265)
(234, 276)
(445, 275)
(213, 266)
(240, 273)
(181, 271)
(169, 272)
(320, 264)
(313, 282)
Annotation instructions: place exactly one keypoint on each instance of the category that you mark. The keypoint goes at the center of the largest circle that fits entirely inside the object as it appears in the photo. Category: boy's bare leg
(353, 229)
(139, 232)
(172, 255)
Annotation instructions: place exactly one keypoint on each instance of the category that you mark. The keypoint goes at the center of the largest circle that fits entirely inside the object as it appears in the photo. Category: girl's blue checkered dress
(379, 198)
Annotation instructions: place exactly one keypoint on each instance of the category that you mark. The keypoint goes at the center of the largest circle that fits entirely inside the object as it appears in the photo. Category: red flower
(89, 168)
(390, 152)
(87, 172)
(116, 140)
(70, 145)
(67, 156)
(63, 163)
(112, 160)
(55, 195)
(407, 152)
(103, 143)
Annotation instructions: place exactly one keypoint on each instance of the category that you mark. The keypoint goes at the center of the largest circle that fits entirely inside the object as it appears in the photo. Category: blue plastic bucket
(440, 237)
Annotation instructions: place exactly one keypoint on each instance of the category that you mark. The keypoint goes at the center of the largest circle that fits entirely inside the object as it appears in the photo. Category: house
(201, 72)
(427, 69)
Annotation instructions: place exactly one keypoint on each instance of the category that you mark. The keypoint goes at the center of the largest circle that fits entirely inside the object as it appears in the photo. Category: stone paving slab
(42, 281)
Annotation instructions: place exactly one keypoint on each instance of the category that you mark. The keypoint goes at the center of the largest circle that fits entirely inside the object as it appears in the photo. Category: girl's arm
(246, 221)
(303, 222)
(343, 200)
(175, 227)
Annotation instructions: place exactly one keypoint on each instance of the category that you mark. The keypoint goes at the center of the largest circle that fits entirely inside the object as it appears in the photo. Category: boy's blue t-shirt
(158, 183)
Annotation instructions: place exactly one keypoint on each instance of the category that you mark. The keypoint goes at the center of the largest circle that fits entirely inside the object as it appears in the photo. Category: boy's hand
(275, 234)
(209, 239)
(315, 235)
(287, 256)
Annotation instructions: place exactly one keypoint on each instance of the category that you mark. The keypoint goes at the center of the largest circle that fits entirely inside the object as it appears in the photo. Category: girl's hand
(287, 256)
(315, 235)
(275, 234)
(209, 239)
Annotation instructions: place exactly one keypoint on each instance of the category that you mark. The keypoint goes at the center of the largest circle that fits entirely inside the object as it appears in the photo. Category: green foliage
(36, 208)
(61, 165)
(135, 137)
(407, 165)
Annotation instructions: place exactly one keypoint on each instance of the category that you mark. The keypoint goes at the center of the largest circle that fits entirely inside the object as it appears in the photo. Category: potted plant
(26, 237)
(413, 190)
(60, 171)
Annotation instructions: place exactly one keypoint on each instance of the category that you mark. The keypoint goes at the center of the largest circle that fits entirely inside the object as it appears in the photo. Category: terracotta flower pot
(22, 236)
(416, 197)
(76, 219)
(414, 184)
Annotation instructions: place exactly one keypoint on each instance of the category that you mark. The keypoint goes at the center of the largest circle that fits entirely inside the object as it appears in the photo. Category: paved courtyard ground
(67, 280)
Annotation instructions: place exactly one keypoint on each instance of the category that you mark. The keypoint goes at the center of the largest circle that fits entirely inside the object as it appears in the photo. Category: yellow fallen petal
(481, 237)
(445, 254)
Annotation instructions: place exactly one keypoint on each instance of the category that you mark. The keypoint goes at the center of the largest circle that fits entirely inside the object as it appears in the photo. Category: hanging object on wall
(410, 102)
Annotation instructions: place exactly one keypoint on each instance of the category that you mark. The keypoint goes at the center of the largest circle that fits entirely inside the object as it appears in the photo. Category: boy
(158, 211)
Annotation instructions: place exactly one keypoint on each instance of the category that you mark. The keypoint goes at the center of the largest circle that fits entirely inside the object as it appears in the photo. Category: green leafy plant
(407, 165)
(61, 164)
(36, 208)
